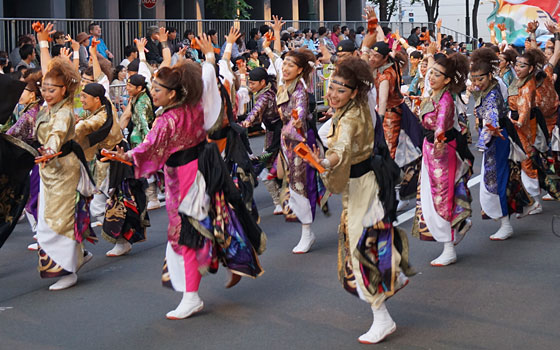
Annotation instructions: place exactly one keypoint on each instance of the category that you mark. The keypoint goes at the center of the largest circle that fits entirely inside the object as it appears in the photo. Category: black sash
(185, 156)
(360, 169)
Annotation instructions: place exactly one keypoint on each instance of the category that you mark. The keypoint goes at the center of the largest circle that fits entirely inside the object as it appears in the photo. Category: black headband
(94, 89)
(258, 74)
(137, 80)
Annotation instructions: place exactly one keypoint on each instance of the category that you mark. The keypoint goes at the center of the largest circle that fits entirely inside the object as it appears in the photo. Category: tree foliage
(386, 9)
(229, 9)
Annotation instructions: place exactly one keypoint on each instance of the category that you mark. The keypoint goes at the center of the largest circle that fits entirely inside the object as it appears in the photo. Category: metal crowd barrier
(117, 33)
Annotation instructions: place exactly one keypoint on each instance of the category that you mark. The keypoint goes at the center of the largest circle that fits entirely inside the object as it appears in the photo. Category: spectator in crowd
(359, 36)
(188, 41)
(130, 53)
(253, 61)
(415, 59)
(254, 36)
(15, 56)
(414, 38)
(95, 32)
(153, 46)
(213, 34)
(55, 51)
(172, 39)
(27, 53)
(352, 37)
(59, 38)
(335, 35)
(325, 40)
(344, 31)
(83, 39)
(4, 61)
(263, 30)
(308, 41)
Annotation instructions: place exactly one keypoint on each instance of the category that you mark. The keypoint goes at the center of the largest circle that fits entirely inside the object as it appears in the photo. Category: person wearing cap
(82, 39)
(98, 129)
(265, 111)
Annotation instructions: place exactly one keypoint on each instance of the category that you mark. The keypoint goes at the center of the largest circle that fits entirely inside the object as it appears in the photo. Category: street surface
(499, 295)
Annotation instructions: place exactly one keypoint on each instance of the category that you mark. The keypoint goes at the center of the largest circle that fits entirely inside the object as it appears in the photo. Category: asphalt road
(499, 295)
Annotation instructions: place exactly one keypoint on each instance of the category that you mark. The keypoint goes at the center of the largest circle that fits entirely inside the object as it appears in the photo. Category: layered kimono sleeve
(61, 127)
(87, 126)
(256, 114)
(525, 102)
(142, 114)
(336, 178)
(153, 152)
(445, 113)
(489, 112)
(211, 99)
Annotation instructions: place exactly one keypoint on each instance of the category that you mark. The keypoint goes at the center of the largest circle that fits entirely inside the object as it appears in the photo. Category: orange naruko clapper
(44, 159)
(269, 36)
(108, 156)
(494, 129)
(304, 152)
(94, 42)
(36, 26)
(441, 137)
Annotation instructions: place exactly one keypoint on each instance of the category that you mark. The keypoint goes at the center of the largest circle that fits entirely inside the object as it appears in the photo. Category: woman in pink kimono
(208, 222)
(443, 198)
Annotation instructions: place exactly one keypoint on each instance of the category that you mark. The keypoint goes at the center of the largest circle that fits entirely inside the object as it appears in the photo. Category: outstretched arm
(43, 36)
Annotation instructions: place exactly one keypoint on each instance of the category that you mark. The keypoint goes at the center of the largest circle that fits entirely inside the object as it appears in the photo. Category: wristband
(365, 49)
(557, 36)
(142, 56)
(242, 76)
(228, 48)
(325, 163)
(210, 56)
(267, 50)
(76, 55)
(164, 45)
(43, 44)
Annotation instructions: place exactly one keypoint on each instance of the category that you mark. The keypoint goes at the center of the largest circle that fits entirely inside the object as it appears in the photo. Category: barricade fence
(117, 33)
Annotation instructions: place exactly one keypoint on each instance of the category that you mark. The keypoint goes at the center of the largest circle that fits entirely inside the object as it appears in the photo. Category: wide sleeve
(255, 115)
(142, 109)
(337, 177)
(61, 127)
(89, 125)
(211, 100)
(445, 114)
(525, 102)
(488, 112)
(153, 152)
(24, 128)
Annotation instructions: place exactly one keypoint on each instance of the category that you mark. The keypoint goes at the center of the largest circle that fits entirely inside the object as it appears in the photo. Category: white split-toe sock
(33, 246)
(306, 241)
(447, 257)
(190, 304)
(120, 248)
(65, 282)
(382, 326)
(278, 210)
(504, 232)
(534, 209)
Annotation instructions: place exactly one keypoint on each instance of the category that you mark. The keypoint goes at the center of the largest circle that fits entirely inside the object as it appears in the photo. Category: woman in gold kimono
(370, 265)
(63, 216)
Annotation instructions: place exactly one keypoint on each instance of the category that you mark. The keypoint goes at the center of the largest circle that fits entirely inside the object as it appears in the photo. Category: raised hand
(141, 44)
(233, 35)
(432, 48)
(491, 25)
(278, 24)
(65, 52)
(163, 34)
(205, 44)
(502, 27)
(552, 27)
(44, 32)
(532, 26)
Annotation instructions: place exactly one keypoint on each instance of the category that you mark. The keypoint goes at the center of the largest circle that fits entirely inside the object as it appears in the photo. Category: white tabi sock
(189, 305)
